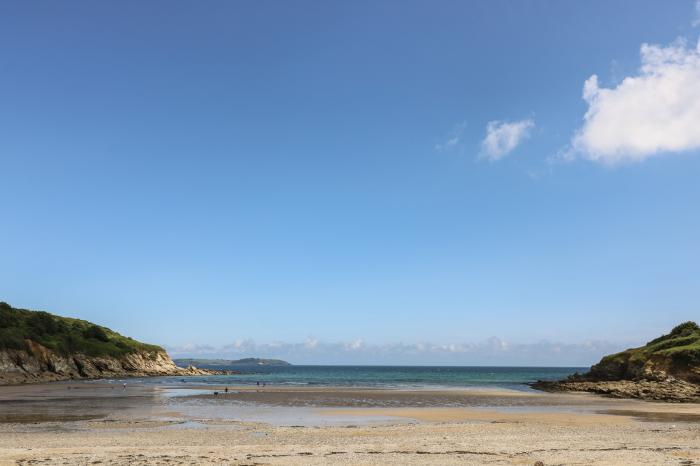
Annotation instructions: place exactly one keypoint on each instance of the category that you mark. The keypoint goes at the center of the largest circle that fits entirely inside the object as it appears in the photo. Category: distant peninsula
(37, 346)
(665, 369)
(230, 362)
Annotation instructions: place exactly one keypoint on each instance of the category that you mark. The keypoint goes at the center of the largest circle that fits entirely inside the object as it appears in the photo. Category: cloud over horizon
(492, 351)
(503, 136)
(654, 112)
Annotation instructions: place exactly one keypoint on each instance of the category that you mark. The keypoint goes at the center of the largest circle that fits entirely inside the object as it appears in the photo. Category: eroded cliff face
(656, 368)
(667, 368)
(39, 364)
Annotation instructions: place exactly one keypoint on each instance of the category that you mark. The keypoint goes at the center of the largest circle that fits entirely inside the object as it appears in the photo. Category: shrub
(685, 329)
(96, 332)
(8, 318)
(9, 340)
(63, 335)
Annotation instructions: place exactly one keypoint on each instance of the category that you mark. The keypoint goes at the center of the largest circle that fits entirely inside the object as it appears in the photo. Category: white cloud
(355, 345)
(454, 139)
(696, 21)
(655, 112)
(311, 343)
(492, 351)
(503, 136)
(449, 144)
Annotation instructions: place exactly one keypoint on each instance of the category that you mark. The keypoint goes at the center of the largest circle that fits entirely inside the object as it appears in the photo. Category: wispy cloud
(654, 112)
(454, 140)
(696, 20)
(490, 351)
(504, 136)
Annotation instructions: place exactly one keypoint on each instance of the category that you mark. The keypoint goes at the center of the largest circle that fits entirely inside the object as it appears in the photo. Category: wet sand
(467, 414)
(93, 423)
(360, 397)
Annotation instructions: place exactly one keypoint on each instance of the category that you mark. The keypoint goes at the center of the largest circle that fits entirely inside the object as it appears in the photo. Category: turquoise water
(380, 376)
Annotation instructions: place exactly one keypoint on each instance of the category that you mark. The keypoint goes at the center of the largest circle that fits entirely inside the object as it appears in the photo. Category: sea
(390, 377)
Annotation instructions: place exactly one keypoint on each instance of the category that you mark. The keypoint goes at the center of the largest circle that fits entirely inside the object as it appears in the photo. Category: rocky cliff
(667, 368)
(38, 346)
(39, 364)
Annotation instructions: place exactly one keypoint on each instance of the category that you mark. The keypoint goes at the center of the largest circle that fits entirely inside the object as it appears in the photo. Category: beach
(380, 232)
(103, 423)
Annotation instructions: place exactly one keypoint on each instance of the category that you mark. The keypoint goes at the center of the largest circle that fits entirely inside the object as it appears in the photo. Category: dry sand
(141, 426)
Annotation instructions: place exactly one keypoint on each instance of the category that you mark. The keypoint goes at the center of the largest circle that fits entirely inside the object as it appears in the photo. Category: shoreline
(107, 399)
(147, 424)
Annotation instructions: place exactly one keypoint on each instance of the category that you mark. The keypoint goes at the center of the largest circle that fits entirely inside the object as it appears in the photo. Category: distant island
(665, 369)
(37, 346)
(230, 362)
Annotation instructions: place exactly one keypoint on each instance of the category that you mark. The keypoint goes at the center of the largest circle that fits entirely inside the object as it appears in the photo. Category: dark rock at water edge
(39, 347)
(665, 369)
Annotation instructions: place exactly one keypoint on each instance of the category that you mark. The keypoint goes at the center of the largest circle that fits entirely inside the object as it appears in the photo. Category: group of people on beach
(258, 384)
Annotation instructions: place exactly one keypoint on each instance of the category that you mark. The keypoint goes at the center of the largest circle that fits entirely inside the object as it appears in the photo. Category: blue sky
(355, 181)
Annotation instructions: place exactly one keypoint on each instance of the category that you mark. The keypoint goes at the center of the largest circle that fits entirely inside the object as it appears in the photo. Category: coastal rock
(40, 364)
(665, 369)
(38, 346)
(670, 390)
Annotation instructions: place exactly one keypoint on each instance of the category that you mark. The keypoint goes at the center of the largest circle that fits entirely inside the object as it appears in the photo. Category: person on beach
(124, 385)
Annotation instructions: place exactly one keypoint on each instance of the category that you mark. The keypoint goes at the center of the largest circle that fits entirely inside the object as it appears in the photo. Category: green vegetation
(683, 340)
(681, 348)
(64, 335)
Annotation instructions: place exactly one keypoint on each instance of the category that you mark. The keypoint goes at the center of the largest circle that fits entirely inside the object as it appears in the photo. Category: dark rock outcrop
(38, 346)
(671, 390)
(665, 369)
(39, 364)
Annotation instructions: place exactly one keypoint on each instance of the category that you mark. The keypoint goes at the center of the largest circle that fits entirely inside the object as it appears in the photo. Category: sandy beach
(100, 423)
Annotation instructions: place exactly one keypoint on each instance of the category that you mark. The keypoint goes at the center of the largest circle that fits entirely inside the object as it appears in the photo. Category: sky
(397, 182)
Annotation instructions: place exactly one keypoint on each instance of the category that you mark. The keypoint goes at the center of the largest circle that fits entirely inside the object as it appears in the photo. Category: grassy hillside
(678, 352)
(63, 335)
(682, 343)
